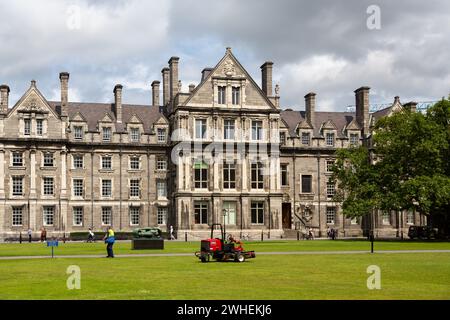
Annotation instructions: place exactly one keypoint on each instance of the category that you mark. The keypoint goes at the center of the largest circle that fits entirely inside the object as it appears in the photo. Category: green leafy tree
(407, 167)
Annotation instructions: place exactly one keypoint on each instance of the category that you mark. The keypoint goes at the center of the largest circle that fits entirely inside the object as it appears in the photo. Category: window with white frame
(306, 138)
(135, 214)
(229, 211)
(257, 131)
(331, 215)
(17, 186)
(106, 216)
(410, 217)
(329, 165)
(49, 215)
(106, 133)
(161, 165)
(27, 127)
(17, 159)
(39, 127)
(257, 212)
(48, 186)
(48, 159)
(329, 139)
(201, 175)
(77, 161)
(162, 135)
(78, 132)
(229, 175)
(354, 139)
(228, 129)
(200, 128)
(106, 162)
(221, 95)
(135, 163)
(135, 188)
(77, 216)
(386, 218)
(135, 134)
(331, 190)
(236, 95)
(78, 187)
(257, 176)
(282, 138)
(17, 216)
(106, 188)
(161, 188)
(162, 215)
(201, 212)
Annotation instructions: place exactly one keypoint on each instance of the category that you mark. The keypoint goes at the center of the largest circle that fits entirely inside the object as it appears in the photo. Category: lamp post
(225, 212)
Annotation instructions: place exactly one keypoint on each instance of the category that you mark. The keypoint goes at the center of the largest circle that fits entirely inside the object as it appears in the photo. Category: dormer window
(330, 139)
(354, 138)
(306, 138)
(236, 95)
(78, 132)
(221, 94)
(39, 127)
(135, 135)
(106, 134)
(161, 135)
(27, 127)
(282, 138)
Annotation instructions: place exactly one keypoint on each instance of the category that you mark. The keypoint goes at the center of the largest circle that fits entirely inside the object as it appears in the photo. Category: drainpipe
(318, 191)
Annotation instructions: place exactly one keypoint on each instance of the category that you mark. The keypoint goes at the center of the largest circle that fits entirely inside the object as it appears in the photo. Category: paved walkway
(192, 254)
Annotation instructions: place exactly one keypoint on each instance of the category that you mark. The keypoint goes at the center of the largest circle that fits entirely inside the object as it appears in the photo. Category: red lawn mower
(222, 250)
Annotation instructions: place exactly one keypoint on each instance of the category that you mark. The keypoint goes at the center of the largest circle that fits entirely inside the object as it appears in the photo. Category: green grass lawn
(80, 248)
(403, 276)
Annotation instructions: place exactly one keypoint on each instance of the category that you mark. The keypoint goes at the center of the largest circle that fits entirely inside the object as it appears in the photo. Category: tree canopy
(407, 167)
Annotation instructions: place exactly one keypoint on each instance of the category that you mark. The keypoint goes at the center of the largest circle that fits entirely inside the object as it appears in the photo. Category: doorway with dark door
(286, 216)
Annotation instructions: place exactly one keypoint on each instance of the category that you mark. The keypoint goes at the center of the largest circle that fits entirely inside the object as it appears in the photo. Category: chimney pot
(191, 87)
(155, 93)
(411, 106)
(118, 102)
(362, 108)
(310, 108)
(4, 98)
(266, 77)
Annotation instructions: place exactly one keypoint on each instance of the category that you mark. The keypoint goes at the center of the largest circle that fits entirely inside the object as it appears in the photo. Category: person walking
(43, 234)
(172, 237)
(90, 235)
(29, 234)
(109, 240)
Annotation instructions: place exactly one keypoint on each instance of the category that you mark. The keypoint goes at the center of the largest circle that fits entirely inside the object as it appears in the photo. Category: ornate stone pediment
(31, 106)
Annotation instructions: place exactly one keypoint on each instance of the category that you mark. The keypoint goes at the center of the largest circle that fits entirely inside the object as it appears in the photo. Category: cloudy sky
(321, 46)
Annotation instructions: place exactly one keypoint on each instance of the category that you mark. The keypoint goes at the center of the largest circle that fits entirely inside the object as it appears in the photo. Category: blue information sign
(53, 243)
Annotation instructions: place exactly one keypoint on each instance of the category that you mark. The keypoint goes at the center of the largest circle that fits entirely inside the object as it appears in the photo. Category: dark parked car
(422, 232)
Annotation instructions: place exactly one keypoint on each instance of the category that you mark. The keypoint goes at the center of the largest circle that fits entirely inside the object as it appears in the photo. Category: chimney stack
(165, 76)
(362, 108)
(4, 98)
(64, 79)
(173, 67)
(411, 106)
(205, 73)
(118, 102)
(310, 108)
(191, 87)
(155, 93)
(266, 74)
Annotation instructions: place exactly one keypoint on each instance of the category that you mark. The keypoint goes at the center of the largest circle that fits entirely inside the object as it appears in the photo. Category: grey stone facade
(224, 151)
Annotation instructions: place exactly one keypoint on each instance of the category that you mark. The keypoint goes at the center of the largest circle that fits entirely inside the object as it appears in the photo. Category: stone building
(223, 152)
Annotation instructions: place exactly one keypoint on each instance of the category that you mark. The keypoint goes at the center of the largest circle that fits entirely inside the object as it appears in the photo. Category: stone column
(2, 174)
(33, 174)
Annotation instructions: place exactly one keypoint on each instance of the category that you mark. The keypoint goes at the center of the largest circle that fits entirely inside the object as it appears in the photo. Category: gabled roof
(95, 112)
(228, 55)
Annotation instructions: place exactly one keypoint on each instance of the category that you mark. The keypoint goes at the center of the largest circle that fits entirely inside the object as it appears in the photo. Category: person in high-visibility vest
(109, 240)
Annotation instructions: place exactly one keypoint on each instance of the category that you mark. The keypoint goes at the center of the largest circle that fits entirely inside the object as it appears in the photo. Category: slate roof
(340, 119)
(94, 112)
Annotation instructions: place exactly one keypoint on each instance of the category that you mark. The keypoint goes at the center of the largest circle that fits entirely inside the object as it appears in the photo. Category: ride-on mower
(221, 250)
